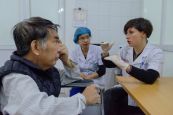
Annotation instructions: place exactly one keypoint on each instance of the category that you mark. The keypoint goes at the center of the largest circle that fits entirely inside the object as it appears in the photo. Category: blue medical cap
(80, 31)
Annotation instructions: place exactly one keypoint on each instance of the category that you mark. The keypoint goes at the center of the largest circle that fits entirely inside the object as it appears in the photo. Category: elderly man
(30, 84)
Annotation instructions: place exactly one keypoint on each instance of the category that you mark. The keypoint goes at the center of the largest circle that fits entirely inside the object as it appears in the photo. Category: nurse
(87, 57)
(139, 59)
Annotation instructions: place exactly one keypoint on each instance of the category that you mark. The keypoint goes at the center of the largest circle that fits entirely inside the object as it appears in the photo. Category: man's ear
(35, 48)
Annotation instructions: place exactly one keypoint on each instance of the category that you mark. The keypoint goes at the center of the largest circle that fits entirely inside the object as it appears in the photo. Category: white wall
(158, 11)
(153, 12)
(105, 18)
(16, 10)
(167, 23)
(168, 64)
(5, 54)
(8, 19)
(10, 15)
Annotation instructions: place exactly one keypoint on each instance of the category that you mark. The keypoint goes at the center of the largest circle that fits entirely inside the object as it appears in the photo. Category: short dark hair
(141, 24)
(34, 28)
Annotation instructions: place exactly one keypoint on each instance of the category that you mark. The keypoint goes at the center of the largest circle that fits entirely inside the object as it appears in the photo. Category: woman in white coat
(87, 57)
(139, 59)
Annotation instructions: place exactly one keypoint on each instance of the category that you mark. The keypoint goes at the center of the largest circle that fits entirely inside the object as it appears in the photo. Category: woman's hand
(106, 47)
(89, 77)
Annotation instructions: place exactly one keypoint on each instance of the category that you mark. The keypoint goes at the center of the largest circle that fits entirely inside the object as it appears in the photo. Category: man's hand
(64, 56)
(63, 53)
(118, 61)
(91, 95)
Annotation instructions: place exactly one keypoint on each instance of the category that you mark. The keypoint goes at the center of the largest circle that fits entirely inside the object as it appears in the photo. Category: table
(155, 99)
(85, 83)
(79, 83)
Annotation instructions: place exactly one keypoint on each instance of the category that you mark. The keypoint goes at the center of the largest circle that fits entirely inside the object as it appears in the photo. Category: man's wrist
(68, 63)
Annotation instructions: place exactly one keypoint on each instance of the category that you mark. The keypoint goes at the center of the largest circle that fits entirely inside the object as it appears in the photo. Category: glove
(118, 61)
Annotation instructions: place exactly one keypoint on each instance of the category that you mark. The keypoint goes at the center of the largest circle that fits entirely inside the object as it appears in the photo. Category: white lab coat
(150, 58)
(89, 64)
